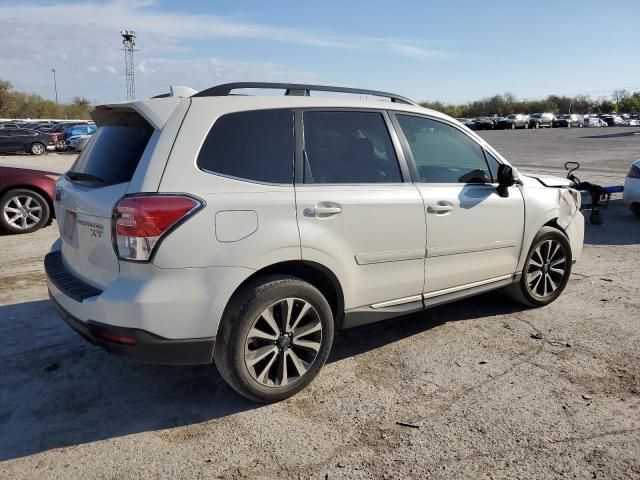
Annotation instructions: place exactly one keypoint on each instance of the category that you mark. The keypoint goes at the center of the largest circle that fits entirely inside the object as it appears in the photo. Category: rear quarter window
(253, 145)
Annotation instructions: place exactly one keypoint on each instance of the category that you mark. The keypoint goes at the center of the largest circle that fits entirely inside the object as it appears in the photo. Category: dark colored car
(513, 121)
(568, 120)
(9, 125)
(481, 123)
(26, 199)
(14, 140)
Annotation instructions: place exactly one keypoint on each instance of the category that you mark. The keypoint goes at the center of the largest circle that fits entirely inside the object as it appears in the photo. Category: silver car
(203, 227)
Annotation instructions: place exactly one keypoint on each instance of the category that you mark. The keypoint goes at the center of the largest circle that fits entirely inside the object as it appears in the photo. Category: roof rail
(297, 89)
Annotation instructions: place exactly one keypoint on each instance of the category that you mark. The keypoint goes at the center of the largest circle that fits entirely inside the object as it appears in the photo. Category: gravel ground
(480, 388)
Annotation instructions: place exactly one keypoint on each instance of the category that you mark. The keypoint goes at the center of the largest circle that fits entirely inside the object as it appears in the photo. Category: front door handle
(323, 209)
(440, 208)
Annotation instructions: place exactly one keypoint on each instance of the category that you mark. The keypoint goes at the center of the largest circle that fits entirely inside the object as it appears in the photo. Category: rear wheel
(37, 148)
(23, 211)
(274, 337)
(635, 208)
(546, 270)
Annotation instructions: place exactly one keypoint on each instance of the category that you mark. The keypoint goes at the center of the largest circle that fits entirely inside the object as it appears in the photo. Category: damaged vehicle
(200, 227)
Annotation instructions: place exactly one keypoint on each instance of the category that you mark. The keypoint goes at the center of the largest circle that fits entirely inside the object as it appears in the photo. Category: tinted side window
(348, 147)
(255, 145)
(443, 154)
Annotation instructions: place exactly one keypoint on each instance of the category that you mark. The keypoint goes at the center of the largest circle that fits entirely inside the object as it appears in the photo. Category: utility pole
(129, 42)
(55, 85)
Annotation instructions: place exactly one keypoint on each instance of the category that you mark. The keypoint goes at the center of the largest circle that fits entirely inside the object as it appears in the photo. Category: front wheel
(274, 337)
(546, 270)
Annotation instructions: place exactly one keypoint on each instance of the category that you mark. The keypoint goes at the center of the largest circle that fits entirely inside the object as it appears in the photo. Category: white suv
(243, 230)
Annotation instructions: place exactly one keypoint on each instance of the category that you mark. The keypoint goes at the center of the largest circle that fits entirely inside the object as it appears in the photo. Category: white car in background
(78, 142)
(632, 188)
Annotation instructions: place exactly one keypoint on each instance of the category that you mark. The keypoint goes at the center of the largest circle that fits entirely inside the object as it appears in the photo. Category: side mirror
(505, 179)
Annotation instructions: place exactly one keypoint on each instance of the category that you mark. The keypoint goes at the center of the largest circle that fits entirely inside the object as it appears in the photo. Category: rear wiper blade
(84, 177)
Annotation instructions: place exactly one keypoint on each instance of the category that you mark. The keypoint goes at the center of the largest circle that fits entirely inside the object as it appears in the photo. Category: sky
(450, 50)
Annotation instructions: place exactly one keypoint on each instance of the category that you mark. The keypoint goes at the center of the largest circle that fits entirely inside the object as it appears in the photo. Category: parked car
(26, 199)
(263, 224)
(513, 121)
(541, 120)
(86, 129)
(631, 122)
(594, 122)
(613, 120)
(13, 140)
(78, 142)
(631, 195)
(568, 120)
(8, 125)
(481, 123)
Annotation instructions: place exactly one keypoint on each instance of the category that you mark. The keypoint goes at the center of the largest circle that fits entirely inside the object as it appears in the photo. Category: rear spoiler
(156, 112)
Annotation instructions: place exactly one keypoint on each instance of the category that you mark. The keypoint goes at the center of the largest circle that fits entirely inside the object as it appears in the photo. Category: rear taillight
(634, 172)
(141, 221)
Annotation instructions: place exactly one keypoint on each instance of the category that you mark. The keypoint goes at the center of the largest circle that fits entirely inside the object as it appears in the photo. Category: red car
(26, 199)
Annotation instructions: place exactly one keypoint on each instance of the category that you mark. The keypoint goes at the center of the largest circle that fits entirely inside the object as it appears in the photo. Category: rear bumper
(141, 345)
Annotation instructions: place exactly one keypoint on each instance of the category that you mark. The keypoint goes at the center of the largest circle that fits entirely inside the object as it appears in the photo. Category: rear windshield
(112, 155)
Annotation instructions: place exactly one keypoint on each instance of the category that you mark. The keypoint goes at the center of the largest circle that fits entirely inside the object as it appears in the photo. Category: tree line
(621, 101)
(14, 104)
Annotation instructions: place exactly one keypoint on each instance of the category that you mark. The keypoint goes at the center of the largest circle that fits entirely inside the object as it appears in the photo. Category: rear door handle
(320, 210)
(440, 208)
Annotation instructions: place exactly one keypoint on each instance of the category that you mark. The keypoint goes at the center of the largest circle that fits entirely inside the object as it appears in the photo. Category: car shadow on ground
(620, 226)
(56, 390)
(613, 135)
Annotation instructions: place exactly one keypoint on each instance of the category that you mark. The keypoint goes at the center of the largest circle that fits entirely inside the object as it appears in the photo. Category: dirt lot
(477, 389)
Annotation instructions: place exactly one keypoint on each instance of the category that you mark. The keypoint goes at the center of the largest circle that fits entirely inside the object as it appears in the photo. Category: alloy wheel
(547, 269)
(37, 149)
(22, 212)
(283, 342)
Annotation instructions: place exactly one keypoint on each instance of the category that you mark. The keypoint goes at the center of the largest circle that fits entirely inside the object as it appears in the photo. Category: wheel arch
(314, 273)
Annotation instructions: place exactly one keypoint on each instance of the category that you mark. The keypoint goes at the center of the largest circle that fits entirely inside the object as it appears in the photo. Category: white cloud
(111, 69)
(92, 68)
(416, 52)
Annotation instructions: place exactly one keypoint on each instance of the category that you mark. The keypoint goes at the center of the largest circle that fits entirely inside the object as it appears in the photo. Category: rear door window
(113, 155)
(254, 145)
(348, 147)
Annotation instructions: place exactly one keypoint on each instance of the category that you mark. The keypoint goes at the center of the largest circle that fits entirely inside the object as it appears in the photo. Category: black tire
(37, 148)
(11, 221)
(635, 208)
(536, 125)
(525, 294)
(240, 316)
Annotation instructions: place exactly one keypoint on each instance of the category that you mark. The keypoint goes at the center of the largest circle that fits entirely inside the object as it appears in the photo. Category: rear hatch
(87, 193)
